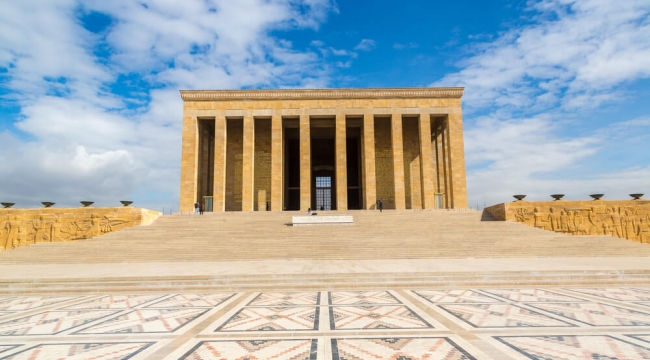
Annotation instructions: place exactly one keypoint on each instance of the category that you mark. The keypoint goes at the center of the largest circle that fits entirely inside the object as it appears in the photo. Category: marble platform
(506, 324)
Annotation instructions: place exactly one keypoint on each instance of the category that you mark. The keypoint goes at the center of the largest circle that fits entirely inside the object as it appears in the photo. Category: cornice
(312, 94)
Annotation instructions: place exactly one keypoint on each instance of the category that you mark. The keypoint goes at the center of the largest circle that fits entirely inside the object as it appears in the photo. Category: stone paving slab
(269, 267)
(475, 323)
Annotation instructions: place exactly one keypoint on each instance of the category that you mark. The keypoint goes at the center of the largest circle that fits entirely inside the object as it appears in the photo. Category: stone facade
(252, 149)
(23, 227)
(624, 219)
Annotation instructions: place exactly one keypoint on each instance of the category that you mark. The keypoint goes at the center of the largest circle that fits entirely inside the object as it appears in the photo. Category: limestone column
(456, 149)
(248, 165)
(341, 164)
(370, 177)
(426, 162)
(189, 164)
(220, 137)
(276, 163)
(445, 166)
(305, 163)
(436, 159)
(398, 161)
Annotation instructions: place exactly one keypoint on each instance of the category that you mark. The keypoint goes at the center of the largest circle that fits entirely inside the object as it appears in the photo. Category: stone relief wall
(624, 219)
(23, 227)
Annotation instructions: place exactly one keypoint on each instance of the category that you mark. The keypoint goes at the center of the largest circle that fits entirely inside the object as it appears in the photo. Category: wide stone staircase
(393, 249)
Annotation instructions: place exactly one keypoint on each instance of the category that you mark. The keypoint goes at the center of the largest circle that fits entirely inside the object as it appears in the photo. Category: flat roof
(311, 94)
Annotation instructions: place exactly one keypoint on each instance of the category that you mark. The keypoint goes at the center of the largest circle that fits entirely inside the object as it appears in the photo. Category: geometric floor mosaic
(397, 348)
(575, 347)
(145, 321)
(254, 349)
(51, 322)
(597, 314)
(502, 316)
(375, 317)
(114, 302)
(30, 302)
(81, 351)
(456, 296)
(508, 324)
(272, 319)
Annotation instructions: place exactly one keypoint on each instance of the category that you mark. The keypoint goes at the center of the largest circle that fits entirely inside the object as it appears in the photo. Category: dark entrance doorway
(323, 181)
(323, 192)
(291, 166)
(323, 164)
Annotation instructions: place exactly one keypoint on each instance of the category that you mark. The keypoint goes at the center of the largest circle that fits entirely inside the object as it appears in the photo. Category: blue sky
(556, 91)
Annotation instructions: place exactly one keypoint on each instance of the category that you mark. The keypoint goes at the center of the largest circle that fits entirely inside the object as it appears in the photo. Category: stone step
(289, 282)
(405, 234)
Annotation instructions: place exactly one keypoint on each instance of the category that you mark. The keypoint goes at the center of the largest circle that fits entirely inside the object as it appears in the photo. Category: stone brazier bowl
(126, 203)
(47, 204)
(7, 205)
(86, 203)
(557, 196)
(519, 197)
(636, 196)
(597, 196)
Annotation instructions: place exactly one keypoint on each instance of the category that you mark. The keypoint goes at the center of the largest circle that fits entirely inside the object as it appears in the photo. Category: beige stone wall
(189, 160)
(456, 148)
(384, 163)
(23, 227)
(302, 104)
(625, 219)
(262, 162)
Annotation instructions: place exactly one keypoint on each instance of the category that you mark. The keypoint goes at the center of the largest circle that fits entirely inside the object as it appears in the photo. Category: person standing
(380, 205)
(196, 208)
(201, 208)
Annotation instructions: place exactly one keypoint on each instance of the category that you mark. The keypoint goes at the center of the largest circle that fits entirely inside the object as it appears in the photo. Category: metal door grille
(323, 193)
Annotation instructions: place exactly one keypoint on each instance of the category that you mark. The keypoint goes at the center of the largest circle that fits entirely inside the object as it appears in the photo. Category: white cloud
(525, 93)
(34, 172)
(527, 156)
(343, 52)
(366, 45)
(46, 52)
(81, 141)
(574, 55)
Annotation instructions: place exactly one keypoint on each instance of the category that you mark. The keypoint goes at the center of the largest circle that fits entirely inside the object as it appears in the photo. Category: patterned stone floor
(504, 324)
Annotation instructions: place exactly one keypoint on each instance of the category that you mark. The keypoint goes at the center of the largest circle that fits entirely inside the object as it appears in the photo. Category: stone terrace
(393, 234)
(396, 249)
(395, 285)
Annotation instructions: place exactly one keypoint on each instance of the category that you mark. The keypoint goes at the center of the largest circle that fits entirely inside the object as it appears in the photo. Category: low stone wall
(625, 219)
(22, 227)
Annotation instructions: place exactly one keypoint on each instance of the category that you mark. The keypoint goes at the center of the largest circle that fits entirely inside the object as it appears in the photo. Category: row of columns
(368, 162)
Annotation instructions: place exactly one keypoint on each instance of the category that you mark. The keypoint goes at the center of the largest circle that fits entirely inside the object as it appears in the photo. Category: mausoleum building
(330, 149)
